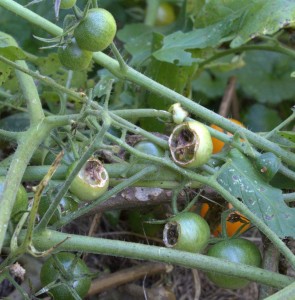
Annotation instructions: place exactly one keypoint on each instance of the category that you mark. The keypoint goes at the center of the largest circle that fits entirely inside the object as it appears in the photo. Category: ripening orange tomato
(218, 144)
(234, 222)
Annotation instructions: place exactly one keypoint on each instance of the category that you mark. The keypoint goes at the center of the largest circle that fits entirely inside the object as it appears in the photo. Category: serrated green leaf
(264, 18)
(176, 45)
(255, 18)
(138, 41)
(243, 181)
(266, 76)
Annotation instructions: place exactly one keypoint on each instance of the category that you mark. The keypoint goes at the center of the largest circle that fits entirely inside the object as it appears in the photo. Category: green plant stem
(28, 143)
(277, 47)
(289, 197)
(30, 93)
(143, 113)
(45, 240)
(9, 135)
(287, 293)
(281, 125)
(151, 12)
(141, 174)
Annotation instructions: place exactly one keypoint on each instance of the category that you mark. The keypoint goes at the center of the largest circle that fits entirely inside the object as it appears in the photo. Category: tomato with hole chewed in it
(190, 144)
(69, 272)
(218, 144)
(186, 231)
(91, 181)
(238, 251)
(96, 31)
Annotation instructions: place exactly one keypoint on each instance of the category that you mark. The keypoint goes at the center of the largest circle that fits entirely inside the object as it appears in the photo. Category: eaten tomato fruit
(73, 275)
(190, 144)
(218, 144)
(96, 31)
(186, 231)
(235, 250)
(91, 181)
(235, 222)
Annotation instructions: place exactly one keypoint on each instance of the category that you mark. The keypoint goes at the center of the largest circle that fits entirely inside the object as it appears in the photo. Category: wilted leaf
(243, 181)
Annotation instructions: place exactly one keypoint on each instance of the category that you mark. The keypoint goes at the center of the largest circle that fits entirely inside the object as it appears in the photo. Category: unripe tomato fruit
(96, 31)
(21, 201)
(73, 57)
(218, 144)
(186, 231)
(190, 144)
(236, 222)
(165, 14)
(235, 250)
(66, 4)
(91, 181)
(77, 276)
(66, 205)
(149, 148)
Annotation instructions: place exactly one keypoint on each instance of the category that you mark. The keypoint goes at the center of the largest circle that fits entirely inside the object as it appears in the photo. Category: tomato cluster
(95, 32)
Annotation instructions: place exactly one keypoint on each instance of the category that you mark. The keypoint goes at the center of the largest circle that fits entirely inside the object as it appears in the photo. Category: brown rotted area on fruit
(184, 144)
(94, 171)
(170, 234)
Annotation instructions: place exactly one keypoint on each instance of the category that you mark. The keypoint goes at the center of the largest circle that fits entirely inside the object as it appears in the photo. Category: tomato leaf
(255, 18)
(243, 181)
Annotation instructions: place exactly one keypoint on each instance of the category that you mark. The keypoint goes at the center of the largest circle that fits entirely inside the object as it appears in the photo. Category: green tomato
(73, 57)
(235, 250)
(66, 4)
(21, 201)
(149, 148)
(186, 231)
(91, 181)
(96, 31)
(165, 15)
(66, 205)
(137, 223)
(190, 144)
(75, 273)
